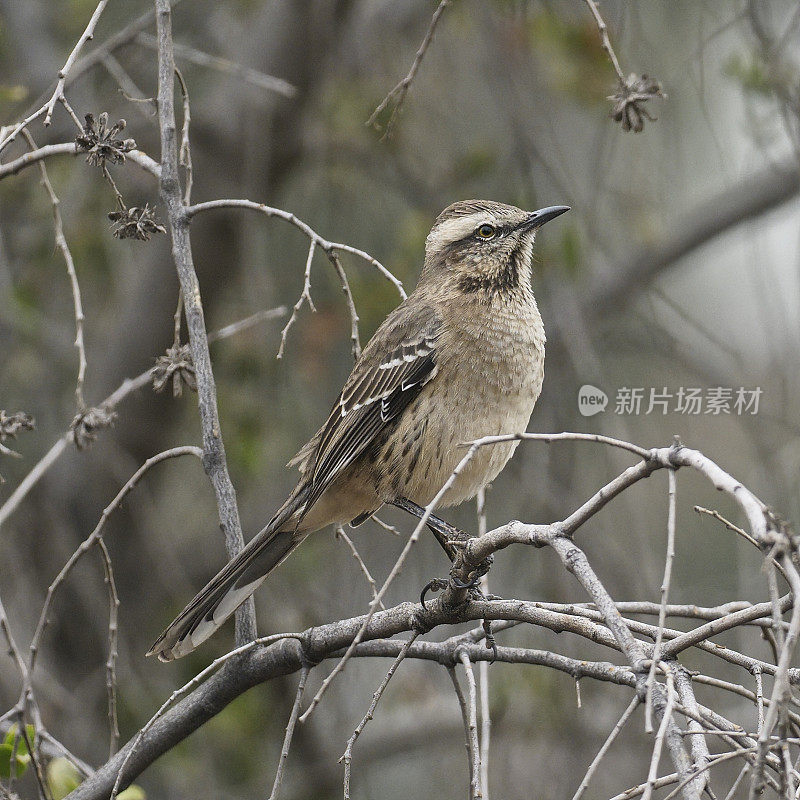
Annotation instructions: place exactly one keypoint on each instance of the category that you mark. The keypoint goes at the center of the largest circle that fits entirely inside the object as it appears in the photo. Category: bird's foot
(473, 575)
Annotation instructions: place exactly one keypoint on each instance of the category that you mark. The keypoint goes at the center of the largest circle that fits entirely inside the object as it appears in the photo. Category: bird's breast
(489, 376)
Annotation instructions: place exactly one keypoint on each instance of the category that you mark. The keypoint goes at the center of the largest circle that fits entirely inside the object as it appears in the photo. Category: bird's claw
(459, 584)
(436, 585)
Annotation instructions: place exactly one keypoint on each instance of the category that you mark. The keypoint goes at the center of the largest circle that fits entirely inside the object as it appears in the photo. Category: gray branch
(214, 459)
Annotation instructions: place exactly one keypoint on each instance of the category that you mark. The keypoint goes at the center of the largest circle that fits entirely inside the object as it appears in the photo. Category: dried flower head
(628, 102)
(87, 424)
(102, 143)
(177, 364)
(12, 424)
(135, 223)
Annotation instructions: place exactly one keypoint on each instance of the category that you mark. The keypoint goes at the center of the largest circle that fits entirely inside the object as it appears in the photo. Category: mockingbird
(462, 357)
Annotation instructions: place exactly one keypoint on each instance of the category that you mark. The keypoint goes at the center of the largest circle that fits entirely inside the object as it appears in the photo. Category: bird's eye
(486, 231)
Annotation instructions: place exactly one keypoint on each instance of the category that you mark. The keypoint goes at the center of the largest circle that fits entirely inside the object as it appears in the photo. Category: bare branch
(662, 614)
(604, 40)
(626, 715)
(95, 536)
(61, 243)
(111, 663)
(305, 297)
(340, 534)
(214, 459)
(355, 342)
(666, 719)
(86, 36)
(287, 216)
(252, 76)
(347, 756)
(126, 388)
(472, 726)
(287, 739)
(697, 743)
(398, 94)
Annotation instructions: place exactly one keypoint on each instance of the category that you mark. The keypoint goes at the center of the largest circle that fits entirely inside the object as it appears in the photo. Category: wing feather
(399, 360)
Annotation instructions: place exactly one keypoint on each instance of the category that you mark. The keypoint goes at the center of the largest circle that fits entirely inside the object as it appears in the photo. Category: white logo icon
(591, 400)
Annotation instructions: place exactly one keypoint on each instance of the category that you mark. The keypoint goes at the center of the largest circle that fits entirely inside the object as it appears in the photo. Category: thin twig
(185, 151)
(626, 715)
(113, 635)
(759, 698)
(95, 536)
(287, 216)
(662, 614)
(735, 785)
(340, 534)
(61, 243)
(604, 40)
(355, 342)
(86, 36)
(666, 718)
(305, 297)
(347, 756)
(462, 704)
(129, 90)
(735, 528)
(398, 94)
(247, 74)
(385, 525)
(287, 739)
(472, 727)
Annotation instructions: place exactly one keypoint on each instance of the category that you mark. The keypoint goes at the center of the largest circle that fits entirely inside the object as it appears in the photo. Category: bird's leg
(449, 537)
(444, 532)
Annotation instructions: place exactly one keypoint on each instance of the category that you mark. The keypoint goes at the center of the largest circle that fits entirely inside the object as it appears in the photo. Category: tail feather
(232, 585)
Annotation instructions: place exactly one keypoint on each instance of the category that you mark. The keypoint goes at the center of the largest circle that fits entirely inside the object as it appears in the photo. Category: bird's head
(484, 246)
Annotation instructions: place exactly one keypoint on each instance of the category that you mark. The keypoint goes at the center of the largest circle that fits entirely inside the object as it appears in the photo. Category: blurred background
(676, 268)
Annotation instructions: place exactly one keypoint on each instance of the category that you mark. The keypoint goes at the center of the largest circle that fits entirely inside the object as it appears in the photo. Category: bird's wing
(398, 361)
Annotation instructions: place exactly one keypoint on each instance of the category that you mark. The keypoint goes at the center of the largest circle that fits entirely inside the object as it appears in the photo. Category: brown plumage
(462, 357)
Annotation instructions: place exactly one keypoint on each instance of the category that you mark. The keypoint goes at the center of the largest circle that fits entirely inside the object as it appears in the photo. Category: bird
(462, 357)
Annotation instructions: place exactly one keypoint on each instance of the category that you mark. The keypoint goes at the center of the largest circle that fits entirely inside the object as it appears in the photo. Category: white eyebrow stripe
(455, 228)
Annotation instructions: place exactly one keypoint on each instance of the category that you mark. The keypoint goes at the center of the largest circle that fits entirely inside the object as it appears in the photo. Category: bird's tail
(234, 583)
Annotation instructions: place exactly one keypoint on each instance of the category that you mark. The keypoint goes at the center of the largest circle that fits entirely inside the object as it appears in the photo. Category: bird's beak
(538, 218)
